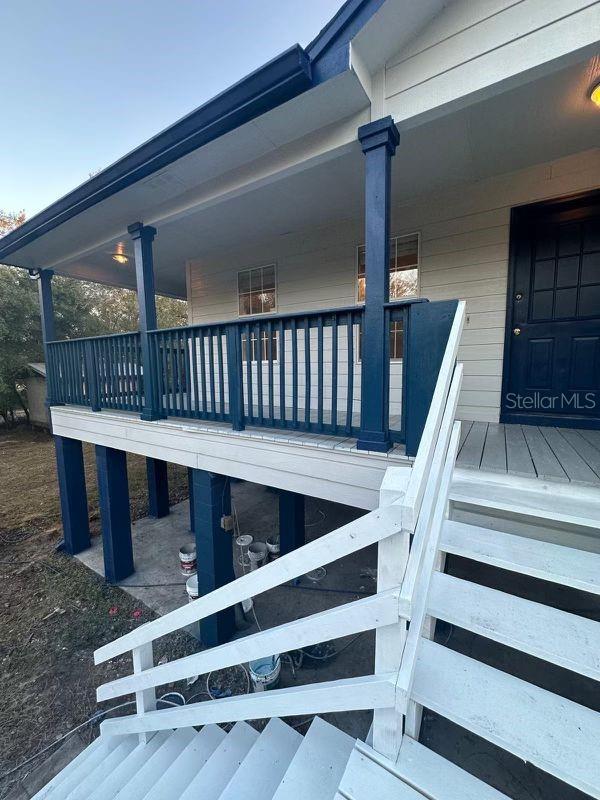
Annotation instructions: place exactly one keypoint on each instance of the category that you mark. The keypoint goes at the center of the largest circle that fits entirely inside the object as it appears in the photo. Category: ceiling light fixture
(120, 256)
(595, 95)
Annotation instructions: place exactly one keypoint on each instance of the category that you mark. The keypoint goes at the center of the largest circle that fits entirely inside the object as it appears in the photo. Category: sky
(85, 81)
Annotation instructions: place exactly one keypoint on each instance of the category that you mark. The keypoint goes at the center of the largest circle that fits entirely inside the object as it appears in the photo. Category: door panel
(552, 353)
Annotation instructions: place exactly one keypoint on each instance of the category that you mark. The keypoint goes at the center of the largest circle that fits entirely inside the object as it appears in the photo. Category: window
(396, 341)
(264, 346)
(257, 293)
(404, 268)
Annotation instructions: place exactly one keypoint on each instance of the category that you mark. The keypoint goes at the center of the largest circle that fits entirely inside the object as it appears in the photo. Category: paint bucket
(187, 559)
(273, 547)
(265, 673)
(191, 587)
(243, 542)
(257, 553)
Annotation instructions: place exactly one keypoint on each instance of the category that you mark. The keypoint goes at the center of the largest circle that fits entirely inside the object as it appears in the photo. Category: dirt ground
(53, 611)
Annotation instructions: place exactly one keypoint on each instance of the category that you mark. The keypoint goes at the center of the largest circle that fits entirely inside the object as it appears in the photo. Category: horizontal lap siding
(464, 254)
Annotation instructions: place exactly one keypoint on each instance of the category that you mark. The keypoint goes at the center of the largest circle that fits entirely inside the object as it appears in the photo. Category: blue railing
(293, 372)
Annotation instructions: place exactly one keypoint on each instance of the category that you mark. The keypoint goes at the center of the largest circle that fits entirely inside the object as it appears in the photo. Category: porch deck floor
(286, 436)
(565, 455)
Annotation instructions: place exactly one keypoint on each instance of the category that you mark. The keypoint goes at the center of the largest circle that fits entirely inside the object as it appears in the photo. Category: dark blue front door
(552, 353)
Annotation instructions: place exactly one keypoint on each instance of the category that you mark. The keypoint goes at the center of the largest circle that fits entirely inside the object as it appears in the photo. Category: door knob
(516, 331)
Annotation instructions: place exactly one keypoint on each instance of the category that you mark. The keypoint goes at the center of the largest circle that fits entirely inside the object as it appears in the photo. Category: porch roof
(281, 79)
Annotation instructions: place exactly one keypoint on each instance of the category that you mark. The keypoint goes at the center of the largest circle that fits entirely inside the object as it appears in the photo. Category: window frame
(418, 267)
(409, 297)
(272, 264)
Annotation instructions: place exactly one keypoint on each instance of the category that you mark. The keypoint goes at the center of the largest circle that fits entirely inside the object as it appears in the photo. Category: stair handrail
(379, 691)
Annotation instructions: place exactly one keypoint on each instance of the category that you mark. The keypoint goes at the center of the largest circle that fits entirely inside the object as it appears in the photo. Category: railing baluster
(234, 377)
(194, 381)
(221, 373)
(307, 387)
(294, 334)
(350, 362)
(211, 372)
(320, 392)
(269, 354)
(259, 372)
(281, 355)
(250, 397)
(334, 371)
(180, 377)
(203, 371)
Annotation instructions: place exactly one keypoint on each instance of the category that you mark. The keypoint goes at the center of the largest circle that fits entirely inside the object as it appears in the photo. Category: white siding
(464, 254)
(469, 47)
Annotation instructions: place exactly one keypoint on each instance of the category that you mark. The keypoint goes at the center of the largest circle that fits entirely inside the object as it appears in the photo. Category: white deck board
(565, 455)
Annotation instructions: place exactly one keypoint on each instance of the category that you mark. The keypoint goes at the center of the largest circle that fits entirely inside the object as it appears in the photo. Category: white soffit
(184, 183)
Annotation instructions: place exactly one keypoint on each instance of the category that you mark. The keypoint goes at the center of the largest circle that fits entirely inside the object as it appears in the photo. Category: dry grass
(55, 612)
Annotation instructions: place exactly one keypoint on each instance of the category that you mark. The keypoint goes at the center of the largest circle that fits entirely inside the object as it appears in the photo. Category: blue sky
(85, 81)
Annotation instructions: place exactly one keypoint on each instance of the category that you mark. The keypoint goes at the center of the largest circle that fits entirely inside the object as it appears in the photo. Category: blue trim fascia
(278, 81)
(329, 51)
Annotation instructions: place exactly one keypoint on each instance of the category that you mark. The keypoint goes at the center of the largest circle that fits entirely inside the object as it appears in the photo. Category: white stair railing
(403, 573)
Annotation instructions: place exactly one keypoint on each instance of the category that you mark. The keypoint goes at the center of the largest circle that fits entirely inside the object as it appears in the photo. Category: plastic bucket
(191, 587)
(273, 547)
(187, 559)
(257, 553)
(265, 673)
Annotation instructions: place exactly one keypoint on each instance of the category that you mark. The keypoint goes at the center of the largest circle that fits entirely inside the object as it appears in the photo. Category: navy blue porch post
(143, 236)
(47, 322)
(113, 494)
(291, 521)
(378, 140)
(158, 487)
(210, 501)
(73, 495)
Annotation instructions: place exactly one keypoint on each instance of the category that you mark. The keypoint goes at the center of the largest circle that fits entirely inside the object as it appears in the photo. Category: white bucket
(187, 559)
(273, 547)
(191, 587)
(257, 553)
(265, 673)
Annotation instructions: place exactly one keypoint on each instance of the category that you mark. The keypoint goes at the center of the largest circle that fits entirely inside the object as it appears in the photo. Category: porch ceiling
(540, 121)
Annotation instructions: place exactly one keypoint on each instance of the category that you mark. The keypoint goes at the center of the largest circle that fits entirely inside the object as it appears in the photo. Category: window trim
(395, 236)
(250, 269)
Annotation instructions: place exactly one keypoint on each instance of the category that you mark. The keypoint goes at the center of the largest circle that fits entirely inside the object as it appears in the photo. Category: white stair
(550, 562)
(555, 734)
(315, 771)
(418, 773)
(564, 639)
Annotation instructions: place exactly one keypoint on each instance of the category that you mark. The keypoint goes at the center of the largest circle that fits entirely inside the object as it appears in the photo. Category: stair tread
(153, 768)
(265, 765)
(530, 502)
(187, 764)
(551, 562)
(318, 765)
(222, 765)
(94, 776)
(438, 778)
(72, 766)
(562, 638)
(114, 781)
(93, 758)
(553, 733)
(364, 779)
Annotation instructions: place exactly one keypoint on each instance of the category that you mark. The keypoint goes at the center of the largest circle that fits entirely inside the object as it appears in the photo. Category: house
(393, 228)
(35, 386)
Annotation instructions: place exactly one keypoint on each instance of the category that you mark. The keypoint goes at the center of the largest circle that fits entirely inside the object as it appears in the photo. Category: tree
(80, 309)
